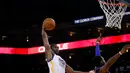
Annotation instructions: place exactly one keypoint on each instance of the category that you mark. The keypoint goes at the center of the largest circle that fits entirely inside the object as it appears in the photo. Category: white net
(114, 12)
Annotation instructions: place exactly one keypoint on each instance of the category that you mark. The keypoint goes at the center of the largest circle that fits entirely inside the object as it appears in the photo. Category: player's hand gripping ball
(48, 24)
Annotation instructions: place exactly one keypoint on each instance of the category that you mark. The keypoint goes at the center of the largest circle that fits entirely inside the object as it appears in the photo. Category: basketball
(49, 24)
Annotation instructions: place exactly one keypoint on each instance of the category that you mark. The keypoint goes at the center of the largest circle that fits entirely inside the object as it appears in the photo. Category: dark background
(23, 18)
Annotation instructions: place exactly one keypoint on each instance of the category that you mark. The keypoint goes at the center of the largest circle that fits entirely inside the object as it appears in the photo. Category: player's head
(98, 61)
(55, 48)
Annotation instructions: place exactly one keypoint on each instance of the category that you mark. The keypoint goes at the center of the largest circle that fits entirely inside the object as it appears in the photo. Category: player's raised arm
(48, 51)
(113, 59)
(45, 40)
(99, 39)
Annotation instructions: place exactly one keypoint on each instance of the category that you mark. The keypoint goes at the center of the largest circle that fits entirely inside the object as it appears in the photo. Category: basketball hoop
(114, 11)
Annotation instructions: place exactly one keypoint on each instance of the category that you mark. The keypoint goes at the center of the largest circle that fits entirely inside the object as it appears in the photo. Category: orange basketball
(48, 24)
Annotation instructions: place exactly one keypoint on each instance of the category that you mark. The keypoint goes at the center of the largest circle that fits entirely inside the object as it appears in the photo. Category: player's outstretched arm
(113, 59)
(99, 39)
(70, 70)
(48, 51)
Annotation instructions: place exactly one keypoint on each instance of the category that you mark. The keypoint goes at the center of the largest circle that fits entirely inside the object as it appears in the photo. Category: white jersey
(56, 65)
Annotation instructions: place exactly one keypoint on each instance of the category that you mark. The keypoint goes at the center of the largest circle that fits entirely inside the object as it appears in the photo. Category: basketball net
(114, 12)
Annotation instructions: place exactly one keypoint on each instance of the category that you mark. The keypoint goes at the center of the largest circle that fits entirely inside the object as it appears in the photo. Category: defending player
(103, 67)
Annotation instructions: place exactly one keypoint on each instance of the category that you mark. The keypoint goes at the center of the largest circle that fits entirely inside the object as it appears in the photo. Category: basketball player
(103, 67)
(55, 63)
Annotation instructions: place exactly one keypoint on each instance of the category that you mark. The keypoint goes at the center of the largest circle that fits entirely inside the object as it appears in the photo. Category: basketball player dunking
(104, 66)
(57, 65)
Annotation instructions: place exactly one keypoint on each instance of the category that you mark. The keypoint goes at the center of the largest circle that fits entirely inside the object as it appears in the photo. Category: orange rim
(113, 4)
